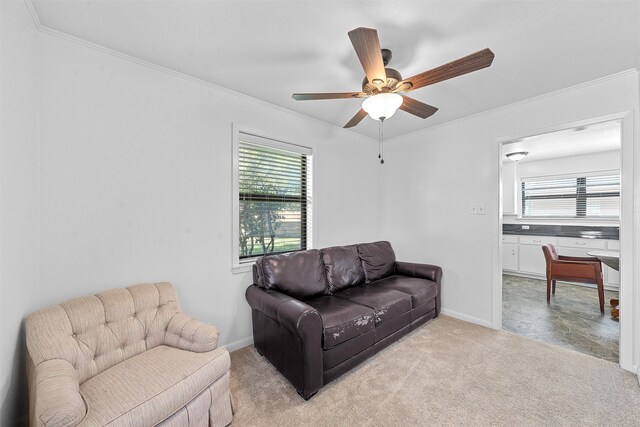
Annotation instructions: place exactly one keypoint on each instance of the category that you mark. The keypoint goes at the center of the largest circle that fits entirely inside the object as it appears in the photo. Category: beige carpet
(447, 372)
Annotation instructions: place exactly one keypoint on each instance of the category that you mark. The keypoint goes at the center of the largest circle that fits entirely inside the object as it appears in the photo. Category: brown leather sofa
(320, 312)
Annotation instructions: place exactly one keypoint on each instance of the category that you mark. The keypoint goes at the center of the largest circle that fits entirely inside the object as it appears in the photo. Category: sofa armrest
(288, 333)
(423, 271)
(185, 333)
(293, 314)
(56, 395)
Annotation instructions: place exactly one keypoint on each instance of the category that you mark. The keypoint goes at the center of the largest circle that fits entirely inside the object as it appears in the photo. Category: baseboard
(607, 287)
(237, 345)
(466, 318)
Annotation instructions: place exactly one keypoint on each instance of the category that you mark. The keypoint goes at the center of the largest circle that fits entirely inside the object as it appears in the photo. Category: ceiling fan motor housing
(393, 78)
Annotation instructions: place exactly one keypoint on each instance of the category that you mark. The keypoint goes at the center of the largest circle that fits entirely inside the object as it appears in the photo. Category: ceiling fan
(384, 88)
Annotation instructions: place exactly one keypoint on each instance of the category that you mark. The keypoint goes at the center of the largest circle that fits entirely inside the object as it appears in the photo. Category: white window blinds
(592, 196)
(274, 197)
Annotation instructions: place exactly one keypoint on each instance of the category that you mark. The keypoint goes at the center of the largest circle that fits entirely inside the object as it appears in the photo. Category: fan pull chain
(381, 134)
(379, 139)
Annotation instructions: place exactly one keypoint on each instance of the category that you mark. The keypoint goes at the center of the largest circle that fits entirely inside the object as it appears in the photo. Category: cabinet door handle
(580, 243)
(513, 252)
(537, 241)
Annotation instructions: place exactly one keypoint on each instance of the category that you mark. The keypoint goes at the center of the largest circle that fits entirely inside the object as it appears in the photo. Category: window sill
(242, 268)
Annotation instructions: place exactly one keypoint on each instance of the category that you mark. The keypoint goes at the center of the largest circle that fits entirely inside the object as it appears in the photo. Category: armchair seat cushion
(386, 303)
(342, 319)
(421, 290)
(149, 387)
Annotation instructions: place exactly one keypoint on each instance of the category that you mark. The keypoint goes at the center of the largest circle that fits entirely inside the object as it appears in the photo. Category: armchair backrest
(96, 332)
(550, 253)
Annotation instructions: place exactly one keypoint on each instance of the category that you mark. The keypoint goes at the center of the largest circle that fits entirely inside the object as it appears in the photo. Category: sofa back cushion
(378, 260)
(94, 333)
(297, 274)
(342, 267)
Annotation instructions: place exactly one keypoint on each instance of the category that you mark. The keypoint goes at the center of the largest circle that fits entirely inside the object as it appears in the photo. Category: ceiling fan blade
(314, 96)
(475, 61)
(356, 119)
(417, 108)
(367, 46)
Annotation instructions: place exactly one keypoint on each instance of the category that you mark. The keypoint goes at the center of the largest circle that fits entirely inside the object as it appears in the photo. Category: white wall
(605, 161)
(116, 173)
(585, 163)
(136, 169)
(18, 195)
(431, 179)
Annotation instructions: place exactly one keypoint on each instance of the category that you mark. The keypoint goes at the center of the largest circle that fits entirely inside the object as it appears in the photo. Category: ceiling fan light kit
(382, 106)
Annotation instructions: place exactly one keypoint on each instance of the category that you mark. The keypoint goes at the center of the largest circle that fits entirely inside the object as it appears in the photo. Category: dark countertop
(585, 232)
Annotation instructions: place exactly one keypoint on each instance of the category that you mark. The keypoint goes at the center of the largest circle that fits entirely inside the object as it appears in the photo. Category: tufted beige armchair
(125, 357)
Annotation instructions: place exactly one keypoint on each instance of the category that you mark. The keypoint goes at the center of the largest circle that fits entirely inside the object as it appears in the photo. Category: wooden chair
(572, 269)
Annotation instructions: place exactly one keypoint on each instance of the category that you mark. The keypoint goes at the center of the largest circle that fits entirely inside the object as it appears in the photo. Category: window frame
(241, 265)
(579, 218)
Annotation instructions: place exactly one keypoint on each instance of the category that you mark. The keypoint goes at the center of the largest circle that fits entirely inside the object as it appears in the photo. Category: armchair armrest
(55, 390)
(185, 333)
(422, 271)
(576, 258)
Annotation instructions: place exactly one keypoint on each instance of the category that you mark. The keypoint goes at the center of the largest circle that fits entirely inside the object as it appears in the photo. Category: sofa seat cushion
(386, 303)
(341, 319)
(421, 290)
(147, 388)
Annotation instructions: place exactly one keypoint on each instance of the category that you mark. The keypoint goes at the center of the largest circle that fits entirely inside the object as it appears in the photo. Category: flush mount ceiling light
(517, 156)
(382, 106)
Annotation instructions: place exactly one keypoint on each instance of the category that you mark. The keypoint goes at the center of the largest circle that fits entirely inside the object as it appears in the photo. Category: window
(273, 196)
(590, 196)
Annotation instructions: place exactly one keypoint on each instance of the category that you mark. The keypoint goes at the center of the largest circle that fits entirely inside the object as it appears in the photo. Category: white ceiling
(591, 139)
(270, 49)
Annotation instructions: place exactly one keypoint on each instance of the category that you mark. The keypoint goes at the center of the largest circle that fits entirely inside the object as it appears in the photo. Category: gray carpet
(447, 372)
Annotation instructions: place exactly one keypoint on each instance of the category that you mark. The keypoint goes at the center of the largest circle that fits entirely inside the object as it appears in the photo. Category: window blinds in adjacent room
(590, 196)
(274, 196)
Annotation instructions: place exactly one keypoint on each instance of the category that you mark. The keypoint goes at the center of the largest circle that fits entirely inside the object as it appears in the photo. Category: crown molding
(517, 103)
(121, 55)
(34, 14)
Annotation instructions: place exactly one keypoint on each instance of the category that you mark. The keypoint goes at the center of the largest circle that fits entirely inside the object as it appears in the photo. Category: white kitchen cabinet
(523, 254)
(612, 276)
(509, 198)
(584, 244)
(531, 258)
(510, 256)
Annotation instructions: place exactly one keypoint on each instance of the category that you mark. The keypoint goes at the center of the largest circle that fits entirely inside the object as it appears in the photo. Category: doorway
(565, 190)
